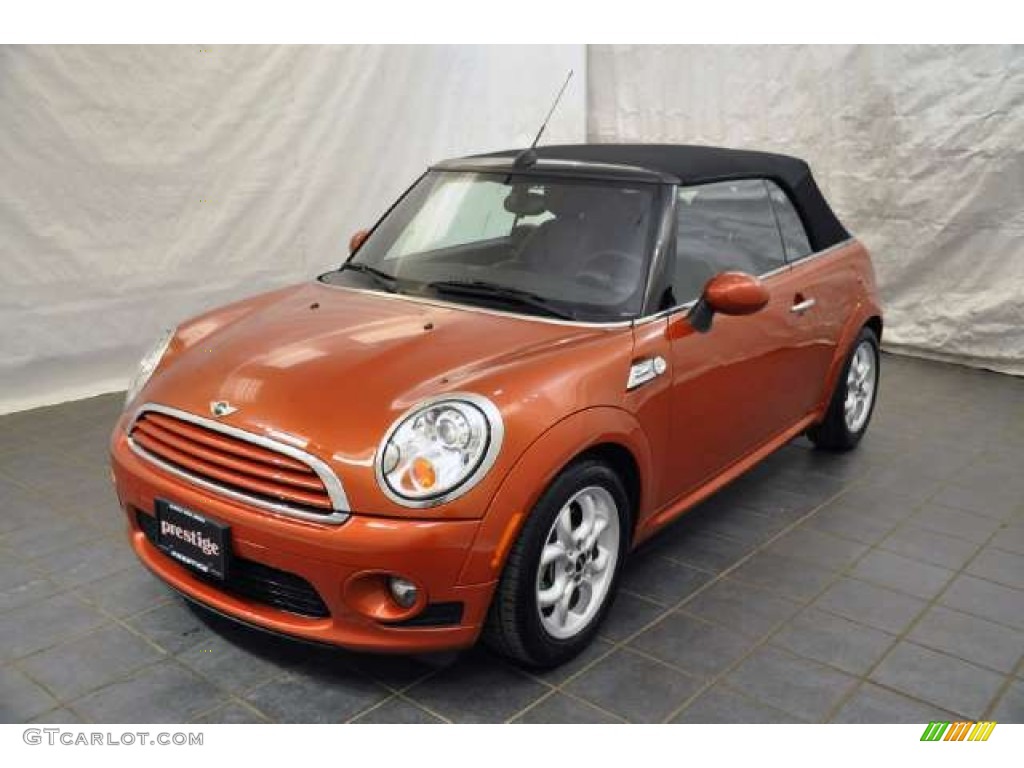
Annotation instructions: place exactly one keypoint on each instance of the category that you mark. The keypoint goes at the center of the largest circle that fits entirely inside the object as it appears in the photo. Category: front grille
(255, 581)
(222, 459)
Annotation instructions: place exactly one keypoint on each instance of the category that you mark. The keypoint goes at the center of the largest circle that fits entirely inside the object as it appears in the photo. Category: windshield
(572, 248)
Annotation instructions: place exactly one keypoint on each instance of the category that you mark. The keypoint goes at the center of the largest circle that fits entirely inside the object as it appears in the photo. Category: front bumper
(337, 560)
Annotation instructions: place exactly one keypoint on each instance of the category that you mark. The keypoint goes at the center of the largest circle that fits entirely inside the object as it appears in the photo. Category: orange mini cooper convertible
(533, 362)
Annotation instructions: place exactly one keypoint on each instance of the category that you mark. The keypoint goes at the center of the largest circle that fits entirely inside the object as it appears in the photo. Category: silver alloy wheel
(861, 380)
(578, 562)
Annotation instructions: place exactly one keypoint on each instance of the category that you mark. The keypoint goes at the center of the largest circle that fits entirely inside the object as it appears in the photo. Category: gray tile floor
(886, 585)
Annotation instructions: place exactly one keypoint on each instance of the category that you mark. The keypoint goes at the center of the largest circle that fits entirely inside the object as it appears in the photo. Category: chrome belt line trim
(335, 490)
(771, 273)
(609, 325)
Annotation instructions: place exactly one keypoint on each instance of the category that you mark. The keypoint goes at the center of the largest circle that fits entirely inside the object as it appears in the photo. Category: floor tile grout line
(765, 638)
(603, 655)
(110, 617)
(945, 652)
(605, 710)
(670, 608)
(721, 678)
(415, 682)
(664, 611)
(392, 696)
(426, 708)
(532, 705)
(166, 653)
(97, 534)
(621, 644)
(865, 677)
(427, 675)
(110, 620)
(653, 602)
(559, 687)
(732, 687)
(231, 699)
(929, 605)
(569, 695)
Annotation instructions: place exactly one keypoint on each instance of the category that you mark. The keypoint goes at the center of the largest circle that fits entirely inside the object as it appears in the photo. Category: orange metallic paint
(736, 293)
(329, 369)
(357, 239)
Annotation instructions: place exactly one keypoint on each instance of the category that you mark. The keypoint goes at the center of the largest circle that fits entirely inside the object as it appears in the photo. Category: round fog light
(403, 591)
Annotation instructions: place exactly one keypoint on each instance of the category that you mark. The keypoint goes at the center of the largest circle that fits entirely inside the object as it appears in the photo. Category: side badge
(642, 371)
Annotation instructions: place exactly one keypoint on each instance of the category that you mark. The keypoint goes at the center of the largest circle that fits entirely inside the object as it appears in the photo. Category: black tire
(514, 628)
(833, 433)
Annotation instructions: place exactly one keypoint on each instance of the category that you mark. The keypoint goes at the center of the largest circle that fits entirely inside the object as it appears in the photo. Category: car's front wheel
(853, 401)
(562, 572)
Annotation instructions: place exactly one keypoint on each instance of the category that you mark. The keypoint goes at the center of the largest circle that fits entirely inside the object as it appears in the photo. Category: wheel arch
(608, 433)
(875, 324)
(868, 317)
(621, 459)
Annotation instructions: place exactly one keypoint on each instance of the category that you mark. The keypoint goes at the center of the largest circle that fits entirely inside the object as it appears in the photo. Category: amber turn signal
(423, 473)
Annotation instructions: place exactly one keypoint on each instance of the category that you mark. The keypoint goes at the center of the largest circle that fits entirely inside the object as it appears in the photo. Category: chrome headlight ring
(439, 449)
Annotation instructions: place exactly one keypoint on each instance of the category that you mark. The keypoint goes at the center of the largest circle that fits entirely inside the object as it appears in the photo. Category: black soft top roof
(689, 165)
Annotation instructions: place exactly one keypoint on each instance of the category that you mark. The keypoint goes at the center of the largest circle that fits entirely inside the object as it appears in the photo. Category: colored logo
(958, 731)
(222, 408)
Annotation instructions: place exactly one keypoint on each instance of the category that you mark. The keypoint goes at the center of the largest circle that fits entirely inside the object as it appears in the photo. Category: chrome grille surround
(335, 491)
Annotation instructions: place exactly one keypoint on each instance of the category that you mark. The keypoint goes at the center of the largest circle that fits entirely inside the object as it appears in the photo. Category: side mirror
(728, 293)
(356, 240)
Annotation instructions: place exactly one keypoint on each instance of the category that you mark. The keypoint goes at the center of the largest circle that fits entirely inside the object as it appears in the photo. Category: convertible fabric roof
(702, 165)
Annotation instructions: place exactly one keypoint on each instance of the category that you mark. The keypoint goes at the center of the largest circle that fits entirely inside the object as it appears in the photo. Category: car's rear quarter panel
(849, 290)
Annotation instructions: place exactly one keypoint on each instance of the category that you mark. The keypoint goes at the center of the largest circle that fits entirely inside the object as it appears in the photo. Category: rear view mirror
(356, 240)
(522, 202)
(728, 293)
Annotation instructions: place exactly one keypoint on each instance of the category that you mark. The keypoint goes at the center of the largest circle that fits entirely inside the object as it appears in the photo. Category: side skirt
(667, 514)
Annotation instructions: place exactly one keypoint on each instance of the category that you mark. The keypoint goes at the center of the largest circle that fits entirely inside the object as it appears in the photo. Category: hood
(331, 368)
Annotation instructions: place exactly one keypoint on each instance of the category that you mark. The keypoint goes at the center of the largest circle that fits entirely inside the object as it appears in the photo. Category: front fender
(538, 466)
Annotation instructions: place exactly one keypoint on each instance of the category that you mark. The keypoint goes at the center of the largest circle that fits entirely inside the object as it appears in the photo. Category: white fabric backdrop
(920, 149)
(141, 185)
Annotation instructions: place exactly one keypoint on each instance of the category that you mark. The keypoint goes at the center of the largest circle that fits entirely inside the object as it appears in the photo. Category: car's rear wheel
(562, 572)
(853, 401)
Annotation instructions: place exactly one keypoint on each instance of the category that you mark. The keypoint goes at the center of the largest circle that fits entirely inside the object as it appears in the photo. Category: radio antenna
(528, 156)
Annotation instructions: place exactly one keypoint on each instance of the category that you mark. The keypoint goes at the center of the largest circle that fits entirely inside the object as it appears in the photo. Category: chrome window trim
(611, 324)
(335, 490)
(770, 273)
(495, 438)
(824, 252)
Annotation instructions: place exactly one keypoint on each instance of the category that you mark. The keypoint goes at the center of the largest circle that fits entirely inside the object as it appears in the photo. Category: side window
(723, 226)
(794, 236)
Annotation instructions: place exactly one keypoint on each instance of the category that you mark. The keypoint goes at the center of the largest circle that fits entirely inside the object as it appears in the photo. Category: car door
(740, 384)
(821, 297)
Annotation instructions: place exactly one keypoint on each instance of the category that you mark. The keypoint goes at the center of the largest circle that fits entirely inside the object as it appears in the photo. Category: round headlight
(438, 450)
(148, 364)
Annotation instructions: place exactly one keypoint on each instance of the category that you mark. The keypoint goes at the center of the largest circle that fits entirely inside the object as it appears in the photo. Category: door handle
(803, 306)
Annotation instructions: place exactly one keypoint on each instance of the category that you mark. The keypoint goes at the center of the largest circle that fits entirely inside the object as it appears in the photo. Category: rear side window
(794, 236)
(723, 226)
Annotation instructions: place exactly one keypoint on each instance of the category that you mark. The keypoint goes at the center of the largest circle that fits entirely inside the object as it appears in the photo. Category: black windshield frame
(652, 241)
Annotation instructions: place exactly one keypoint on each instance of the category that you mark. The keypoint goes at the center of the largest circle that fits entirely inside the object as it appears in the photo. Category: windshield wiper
(485, 290)
(388, 282)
